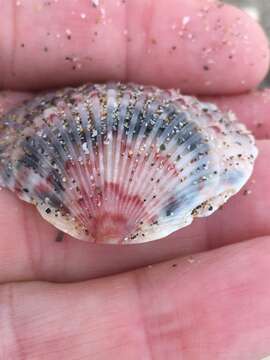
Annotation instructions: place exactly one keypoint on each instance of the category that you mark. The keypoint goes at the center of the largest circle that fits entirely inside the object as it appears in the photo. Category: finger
(213, 305)
(30, 247)
(201, 47)
(252, 108)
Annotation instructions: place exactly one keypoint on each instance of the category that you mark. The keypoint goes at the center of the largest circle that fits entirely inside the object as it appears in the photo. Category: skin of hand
(202, 293)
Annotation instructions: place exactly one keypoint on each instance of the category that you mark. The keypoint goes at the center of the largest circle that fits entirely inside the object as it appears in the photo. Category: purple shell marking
(118, 163)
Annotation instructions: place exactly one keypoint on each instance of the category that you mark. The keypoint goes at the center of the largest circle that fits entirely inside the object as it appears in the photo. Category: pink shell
(119, 163)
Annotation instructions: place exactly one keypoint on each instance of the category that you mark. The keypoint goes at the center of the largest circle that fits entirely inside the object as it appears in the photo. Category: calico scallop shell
(123, 163)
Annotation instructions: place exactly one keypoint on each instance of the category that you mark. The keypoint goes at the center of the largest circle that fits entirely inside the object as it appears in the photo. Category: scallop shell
(123, 163)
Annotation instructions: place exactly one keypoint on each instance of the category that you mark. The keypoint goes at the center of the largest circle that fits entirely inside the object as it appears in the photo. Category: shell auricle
(123, 163)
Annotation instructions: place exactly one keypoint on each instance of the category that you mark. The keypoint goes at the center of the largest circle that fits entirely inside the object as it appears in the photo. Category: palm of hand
(209, 305)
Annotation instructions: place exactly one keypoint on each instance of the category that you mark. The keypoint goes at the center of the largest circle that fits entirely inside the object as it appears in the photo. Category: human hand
(207, 296)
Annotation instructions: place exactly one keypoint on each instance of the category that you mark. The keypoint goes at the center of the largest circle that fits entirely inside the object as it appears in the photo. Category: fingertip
(253, 52)
(202, 48)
